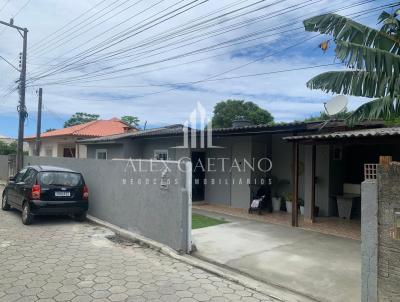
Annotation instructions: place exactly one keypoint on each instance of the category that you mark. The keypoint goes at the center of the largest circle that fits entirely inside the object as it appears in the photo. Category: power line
(173, 13)
(4, 5)
(70, 64)
(9, 63)
(158, 61)
(86, 63)
(22, 8)
(39, 43)
(207, 80)
(81, 26)
(212, 80)
(179, 56)
(124, 32)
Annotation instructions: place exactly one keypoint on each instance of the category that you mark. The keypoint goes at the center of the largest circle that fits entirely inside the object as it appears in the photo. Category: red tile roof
(92, 129)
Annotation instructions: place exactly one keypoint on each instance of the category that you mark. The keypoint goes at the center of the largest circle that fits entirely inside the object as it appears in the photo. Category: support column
(295, 214)
(313, 164)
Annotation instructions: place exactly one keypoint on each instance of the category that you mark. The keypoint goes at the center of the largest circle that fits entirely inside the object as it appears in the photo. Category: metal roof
(178, 129)
(174, 130)
(362, 133)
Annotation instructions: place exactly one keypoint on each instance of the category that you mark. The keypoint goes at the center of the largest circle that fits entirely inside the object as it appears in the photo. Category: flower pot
(288, 206)
(302, 210)
(276, 204)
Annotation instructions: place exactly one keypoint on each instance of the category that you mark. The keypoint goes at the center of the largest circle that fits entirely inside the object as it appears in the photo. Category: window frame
(101, 151)
(20, 175)
(159, 152)
(32, 174)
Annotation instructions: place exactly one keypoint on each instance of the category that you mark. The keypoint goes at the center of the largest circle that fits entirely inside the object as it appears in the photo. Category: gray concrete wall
(114, 151)
(141, 148)
(3, 167)
(219, 193)
(388, 246)
(233, 189)
(240, 189)
(282, 159)
(369, 241)
(164, 143)
(116, 196)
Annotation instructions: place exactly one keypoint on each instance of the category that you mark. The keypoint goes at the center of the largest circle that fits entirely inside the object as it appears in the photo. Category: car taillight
(36, 190)
(85, 192)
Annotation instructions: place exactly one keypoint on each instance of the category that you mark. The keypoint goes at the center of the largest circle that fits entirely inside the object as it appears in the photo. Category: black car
(46, 190)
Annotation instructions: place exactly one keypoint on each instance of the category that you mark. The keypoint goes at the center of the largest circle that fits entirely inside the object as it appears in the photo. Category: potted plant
(288, 199)
(277, 185)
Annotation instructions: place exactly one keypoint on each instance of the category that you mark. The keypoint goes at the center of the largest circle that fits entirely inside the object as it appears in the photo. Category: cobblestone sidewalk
(57, 259)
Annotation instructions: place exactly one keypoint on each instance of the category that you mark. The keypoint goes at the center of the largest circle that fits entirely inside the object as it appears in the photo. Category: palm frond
(383, 108)
(391, 24)
(345, 29)
(369, 59)
(356, 83)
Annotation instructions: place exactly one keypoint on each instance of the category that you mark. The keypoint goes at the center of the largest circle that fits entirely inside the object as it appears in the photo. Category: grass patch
(200, 221)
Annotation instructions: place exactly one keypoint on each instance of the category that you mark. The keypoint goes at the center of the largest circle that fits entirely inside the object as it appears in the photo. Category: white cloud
(284, 94)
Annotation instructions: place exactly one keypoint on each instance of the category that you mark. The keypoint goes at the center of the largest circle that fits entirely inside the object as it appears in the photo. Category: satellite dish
(336, 105)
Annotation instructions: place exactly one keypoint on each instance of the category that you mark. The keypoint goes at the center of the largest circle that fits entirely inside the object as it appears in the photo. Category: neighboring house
(9, 140)
(335, 163)
(63, 142)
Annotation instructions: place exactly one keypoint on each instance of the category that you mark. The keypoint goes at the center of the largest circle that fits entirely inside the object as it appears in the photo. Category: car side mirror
(12, 178)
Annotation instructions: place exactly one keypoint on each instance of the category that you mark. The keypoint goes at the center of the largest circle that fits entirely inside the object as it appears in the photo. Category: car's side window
(30, 177)
(20, 175)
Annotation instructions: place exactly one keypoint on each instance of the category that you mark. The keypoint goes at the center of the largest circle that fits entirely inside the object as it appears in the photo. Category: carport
(350, 152)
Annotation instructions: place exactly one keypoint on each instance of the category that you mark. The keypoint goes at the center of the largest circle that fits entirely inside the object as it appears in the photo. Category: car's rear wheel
(80, 217)
(27, 216)
(4, 203)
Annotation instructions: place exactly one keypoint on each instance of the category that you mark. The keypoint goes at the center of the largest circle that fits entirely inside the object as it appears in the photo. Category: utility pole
(22, 81)
(39, 123)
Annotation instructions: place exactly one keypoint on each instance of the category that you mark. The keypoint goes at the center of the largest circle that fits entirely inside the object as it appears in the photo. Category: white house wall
(57, 145)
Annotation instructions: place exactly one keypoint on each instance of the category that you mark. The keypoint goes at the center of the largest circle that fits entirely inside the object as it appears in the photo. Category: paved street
(57, 259)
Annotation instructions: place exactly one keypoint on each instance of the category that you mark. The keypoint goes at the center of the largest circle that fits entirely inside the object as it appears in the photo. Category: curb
(273, 291)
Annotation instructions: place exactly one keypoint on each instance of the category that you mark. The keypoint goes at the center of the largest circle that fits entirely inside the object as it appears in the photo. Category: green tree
(374, 60)
(131, 120)
(225, 112)
(80, 118)
(6, 149)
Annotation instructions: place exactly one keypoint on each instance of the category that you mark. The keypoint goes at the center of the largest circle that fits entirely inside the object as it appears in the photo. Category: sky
(155, 59)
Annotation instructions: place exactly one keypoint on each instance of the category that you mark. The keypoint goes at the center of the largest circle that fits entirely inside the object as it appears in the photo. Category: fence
(380, 234)
(147, 197)
(4, 171)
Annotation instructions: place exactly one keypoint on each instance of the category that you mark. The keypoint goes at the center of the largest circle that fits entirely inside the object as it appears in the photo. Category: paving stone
(67, 261)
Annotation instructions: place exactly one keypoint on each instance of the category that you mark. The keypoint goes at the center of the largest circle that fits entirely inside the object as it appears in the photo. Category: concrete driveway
(323, 267)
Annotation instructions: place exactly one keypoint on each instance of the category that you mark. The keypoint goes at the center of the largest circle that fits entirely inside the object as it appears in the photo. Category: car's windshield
(67, 179)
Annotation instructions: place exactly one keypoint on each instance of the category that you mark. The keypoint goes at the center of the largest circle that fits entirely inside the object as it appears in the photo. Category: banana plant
(373, 59)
